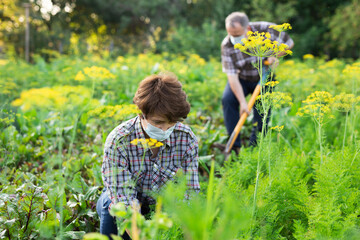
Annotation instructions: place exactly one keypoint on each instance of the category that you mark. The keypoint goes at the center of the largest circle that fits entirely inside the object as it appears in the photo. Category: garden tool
(243, 116)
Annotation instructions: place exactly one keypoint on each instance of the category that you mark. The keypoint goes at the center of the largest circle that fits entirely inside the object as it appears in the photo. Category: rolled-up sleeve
(228, 65)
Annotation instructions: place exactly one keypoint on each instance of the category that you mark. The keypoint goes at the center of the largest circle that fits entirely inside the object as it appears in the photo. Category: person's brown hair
(162, 95)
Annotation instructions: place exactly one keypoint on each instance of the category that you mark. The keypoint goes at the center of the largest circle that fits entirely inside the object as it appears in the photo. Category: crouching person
(132, 172)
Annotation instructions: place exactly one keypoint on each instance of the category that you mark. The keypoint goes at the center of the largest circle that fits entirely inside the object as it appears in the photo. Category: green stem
(320, 142)
(210, 202)
(343, 146)
(258, 164)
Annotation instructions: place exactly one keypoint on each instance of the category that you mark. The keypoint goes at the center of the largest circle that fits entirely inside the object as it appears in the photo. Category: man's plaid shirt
(129, 169)
(233, 60)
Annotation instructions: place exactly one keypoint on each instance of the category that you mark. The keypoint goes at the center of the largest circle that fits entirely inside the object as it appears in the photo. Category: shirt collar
(138, 128)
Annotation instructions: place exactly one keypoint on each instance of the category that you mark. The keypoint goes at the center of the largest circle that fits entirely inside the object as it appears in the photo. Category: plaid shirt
(233, 60)
(128, 170)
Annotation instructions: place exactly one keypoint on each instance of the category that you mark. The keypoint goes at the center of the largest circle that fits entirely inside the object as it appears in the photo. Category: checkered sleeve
(116, 176)
(228, 65)
(190, 165)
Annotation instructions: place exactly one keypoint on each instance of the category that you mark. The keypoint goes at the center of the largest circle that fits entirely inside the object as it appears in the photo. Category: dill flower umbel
(276, 99)
(117, 112)
(352, 69)
(147, 143)
(195, 59)
(345, 102)
(59, 98)
(308, 56)
(260, 45)
(94, 72)
(278, 128)
(272, 83)
(281, 28)
(318, 106)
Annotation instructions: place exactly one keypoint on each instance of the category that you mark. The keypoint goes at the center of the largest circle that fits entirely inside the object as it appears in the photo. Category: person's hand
(273, 62)
(244, 108)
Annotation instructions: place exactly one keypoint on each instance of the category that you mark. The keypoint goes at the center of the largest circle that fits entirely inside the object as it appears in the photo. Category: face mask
(235, 40)
(157, 133)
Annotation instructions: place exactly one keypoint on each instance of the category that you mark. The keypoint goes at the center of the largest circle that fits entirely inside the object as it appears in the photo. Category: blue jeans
(231, 112)
(107, 222)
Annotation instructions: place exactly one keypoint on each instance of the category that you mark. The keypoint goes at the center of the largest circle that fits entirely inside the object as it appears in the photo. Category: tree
(344, 29)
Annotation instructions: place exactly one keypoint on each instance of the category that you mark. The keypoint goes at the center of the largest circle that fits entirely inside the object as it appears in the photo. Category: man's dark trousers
(231, 112)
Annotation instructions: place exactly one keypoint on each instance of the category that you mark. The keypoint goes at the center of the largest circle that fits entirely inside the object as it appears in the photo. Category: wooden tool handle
(242, 119)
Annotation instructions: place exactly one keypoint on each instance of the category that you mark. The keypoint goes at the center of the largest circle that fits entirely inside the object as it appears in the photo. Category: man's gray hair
(239, 17)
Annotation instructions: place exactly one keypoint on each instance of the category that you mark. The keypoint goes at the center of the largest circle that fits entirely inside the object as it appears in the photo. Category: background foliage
(324, 27)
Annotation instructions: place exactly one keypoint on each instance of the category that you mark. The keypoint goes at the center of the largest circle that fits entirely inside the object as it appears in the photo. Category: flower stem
(343, 146)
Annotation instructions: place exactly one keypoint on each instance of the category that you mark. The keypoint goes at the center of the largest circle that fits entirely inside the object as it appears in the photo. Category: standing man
(241, 74)
(133, 172)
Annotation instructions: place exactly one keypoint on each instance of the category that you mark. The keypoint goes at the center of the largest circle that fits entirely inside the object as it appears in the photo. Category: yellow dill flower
(7, 87)
(272, 83)
(259, 45)
(147, 143)
(345, 102)
(354, 68)
(120, 59)
(335, 63)
(317, 105)
(3, 62)
(58, 98)
(289, 63)
(159, 144)
(117, 112)
(319, 97)
(276, 99)
(278, 128)
(195, 59)
(282, 27)
(94, 72)
(308, 56)
(80, 76)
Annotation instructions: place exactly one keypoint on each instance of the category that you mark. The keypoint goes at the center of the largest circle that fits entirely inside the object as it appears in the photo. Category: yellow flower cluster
(276, 99)
(335, 63)
(6, 119)
(195, 60)
(278, 128)
(94, 72)
(318, 106)
(308, 56)
(3, 62)
(259, 45)
(147, 143)
(60, 98)
(281, 28)
(319, 97)
(117, 112)
(352, 69)
(80, 76)
(345, 102)
(7, 87)
(289, 63)
(272, 83)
